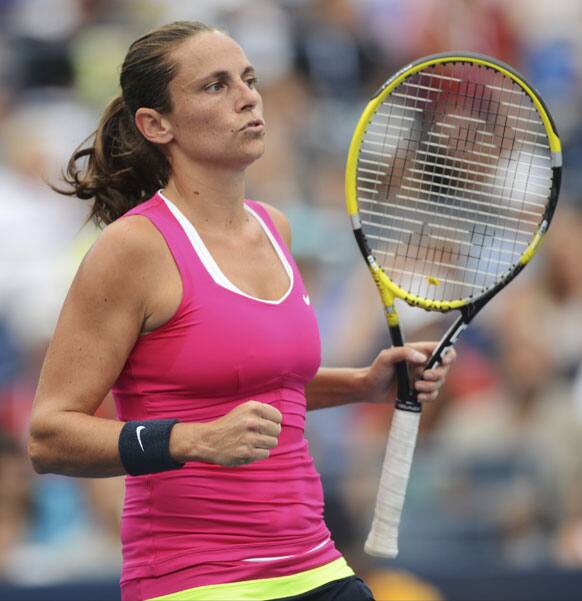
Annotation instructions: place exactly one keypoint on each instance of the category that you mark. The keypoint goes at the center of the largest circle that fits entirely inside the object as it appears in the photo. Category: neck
(210, 197)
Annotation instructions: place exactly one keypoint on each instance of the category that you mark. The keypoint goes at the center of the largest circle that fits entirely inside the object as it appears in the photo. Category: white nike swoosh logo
(306, 299)
(138, 432)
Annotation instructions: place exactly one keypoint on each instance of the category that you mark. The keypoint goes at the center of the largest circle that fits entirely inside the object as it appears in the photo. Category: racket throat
(450, 338)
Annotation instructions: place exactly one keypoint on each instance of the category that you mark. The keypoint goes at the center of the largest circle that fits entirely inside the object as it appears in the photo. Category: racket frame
(389, 290)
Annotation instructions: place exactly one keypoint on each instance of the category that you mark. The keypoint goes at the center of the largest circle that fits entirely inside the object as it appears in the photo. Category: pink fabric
(219, 350)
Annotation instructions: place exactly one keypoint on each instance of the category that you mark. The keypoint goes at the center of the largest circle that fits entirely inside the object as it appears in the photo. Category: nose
(247, 98)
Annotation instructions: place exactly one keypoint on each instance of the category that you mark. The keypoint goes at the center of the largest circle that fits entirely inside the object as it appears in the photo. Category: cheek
(194, 116)
(198, 131)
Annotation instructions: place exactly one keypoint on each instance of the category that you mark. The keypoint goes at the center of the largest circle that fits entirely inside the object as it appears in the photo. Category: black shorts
(351, 588)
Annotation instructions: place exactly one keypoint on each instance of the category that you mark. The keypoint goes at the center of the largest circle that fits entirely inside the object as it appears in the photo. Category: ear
(153, 126)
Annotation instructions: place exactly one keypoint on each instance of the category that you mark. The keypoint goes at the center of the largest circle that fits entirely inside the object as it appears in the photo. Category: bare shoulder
(129, 236)
(281, 222)
(124, 260)
(125, 247)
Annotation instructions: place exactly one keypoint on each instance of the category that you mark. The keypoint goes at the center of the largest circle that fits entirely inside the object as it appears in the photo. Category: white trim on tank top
(208, 260)
(277, 558)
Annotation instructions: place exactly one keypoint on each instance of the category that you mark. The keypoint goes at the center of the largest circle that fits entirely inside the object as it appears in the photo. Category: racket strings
(453, 178)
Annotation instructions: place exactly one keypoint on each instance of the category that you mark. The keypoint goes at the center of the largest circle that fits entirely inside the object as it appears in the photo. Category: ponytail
(119, 168)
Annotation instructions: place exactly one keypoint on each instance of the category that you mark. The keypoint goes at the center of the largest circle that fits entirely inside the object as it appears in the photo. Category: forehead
(205, 53)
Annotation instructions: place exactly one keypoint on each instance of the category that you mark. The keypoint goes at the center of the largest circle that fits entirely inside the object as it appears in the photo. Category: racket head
(452, 179)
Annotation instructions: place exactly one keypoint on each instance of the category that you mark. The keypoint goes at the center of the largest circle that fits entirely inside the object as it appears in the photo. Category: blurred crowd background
(497, 480)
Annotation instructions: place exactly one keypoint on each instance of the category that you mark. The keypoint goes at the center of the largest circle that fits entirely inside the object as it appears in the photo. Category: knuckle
(250, 423)
(246, 455)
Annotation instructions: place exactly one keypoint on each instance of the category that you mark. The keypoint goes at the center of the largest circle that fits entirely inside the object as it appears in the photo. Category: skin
(128, 284)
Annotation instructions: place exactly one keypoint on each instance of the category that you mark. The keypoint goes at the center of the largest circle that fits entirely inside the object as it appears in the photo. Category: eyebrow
(224, 75)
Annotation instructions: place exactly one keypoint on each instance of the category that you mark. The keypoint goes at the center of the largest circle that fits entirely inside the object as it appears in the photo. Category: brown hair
(121, 168)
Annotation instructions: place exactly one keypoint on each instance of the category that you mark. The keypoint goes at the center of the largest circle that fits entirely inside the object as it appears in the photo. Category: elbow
(39, 447)
(37, 455)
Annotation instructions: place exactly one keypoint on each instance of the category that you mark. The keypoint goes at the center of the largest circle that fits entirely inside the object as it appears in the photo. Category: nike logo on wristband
(306, 299)
(138, 432)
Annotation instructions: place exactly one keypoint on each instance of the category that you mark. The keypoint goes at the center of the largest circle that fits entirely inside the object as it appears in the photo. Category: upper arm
(281, 223)
(99, 323)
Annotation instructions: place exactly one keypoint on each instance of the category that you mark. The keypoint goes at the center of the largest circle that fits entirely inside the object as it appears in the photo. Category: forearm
(75, 444)
(336, 386)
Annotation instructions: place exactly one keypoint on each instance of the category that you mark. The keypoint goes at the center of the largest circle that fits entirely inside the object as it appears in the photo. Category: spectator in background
(407, 30)
(67, 523)
(525, 427)
(16, 499)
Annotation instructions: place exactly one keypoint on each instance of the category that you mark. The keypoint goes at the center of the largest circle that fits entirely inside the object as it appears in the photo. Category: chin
(253, 154)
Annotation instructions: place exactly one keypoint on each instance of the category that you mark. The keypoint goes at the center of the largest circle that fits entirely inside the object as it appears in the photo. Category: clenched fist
(243, 435)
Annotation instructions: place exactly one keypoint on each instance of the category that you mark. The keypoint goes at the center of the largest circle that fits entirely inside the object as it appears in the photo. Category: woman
(191, 309)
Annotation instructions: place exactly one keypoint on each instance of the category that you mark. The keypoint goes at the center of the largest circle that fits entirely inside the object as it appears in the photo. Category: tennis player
(191, 309)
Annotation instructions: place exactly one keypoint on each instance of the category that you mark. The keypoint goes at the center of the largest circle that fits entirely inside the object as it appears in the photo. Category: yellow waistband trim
(265, 588)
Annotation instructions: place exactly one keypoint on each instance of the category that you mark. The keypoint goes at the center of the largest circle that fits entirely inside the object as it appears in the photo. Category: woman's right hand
(243, 435)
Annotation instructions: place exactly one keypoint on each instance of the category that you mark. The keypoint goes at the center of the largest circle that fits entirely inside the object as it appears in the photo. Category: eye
(214, 87)
(252, 82)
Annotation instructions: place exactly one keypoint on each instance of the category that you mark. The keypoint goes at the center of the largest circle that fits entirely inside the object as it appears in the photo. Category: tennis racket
(452, 179)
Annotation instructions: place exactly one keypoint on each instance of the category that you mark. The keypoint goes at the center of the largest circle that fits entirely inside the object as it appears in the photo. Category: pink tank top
(221, 348)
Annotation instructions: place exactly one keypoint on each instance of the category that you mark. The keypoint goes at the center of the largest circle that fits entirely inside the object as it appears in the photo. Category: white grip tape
(382, 540)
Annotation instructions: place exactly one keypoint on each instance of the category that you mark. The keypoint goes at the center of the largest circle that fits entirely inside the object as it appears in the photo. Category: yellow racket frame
(388, 289)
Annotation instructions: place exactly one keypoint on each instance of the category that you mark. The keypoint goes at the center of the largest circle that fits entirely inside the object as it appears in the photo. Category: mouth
(254, 125)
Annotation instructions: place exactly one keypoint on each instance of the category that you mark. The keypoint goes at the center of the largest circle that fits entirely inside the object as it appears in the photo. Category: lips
(252, 124)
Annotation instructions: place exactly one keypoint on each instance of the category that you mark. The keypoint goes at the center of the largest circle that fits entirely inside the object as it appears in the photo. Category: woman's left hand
(380, 376)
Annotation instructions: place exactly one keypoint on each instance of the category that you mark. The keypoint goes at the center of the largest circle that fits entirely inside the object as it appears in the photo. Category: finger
(267, 412)
(437, 373)
(425, 346)
(424, 386)
(403, 353)
(449, 356)
(252, 453)
(427, 396)
(428, 347)
(257, 455)
(269, 428)
(266, 442)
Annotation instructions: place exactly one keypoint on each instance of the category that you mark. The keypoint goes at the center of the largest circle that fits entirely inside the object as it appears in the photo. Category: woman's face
(217, 112)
